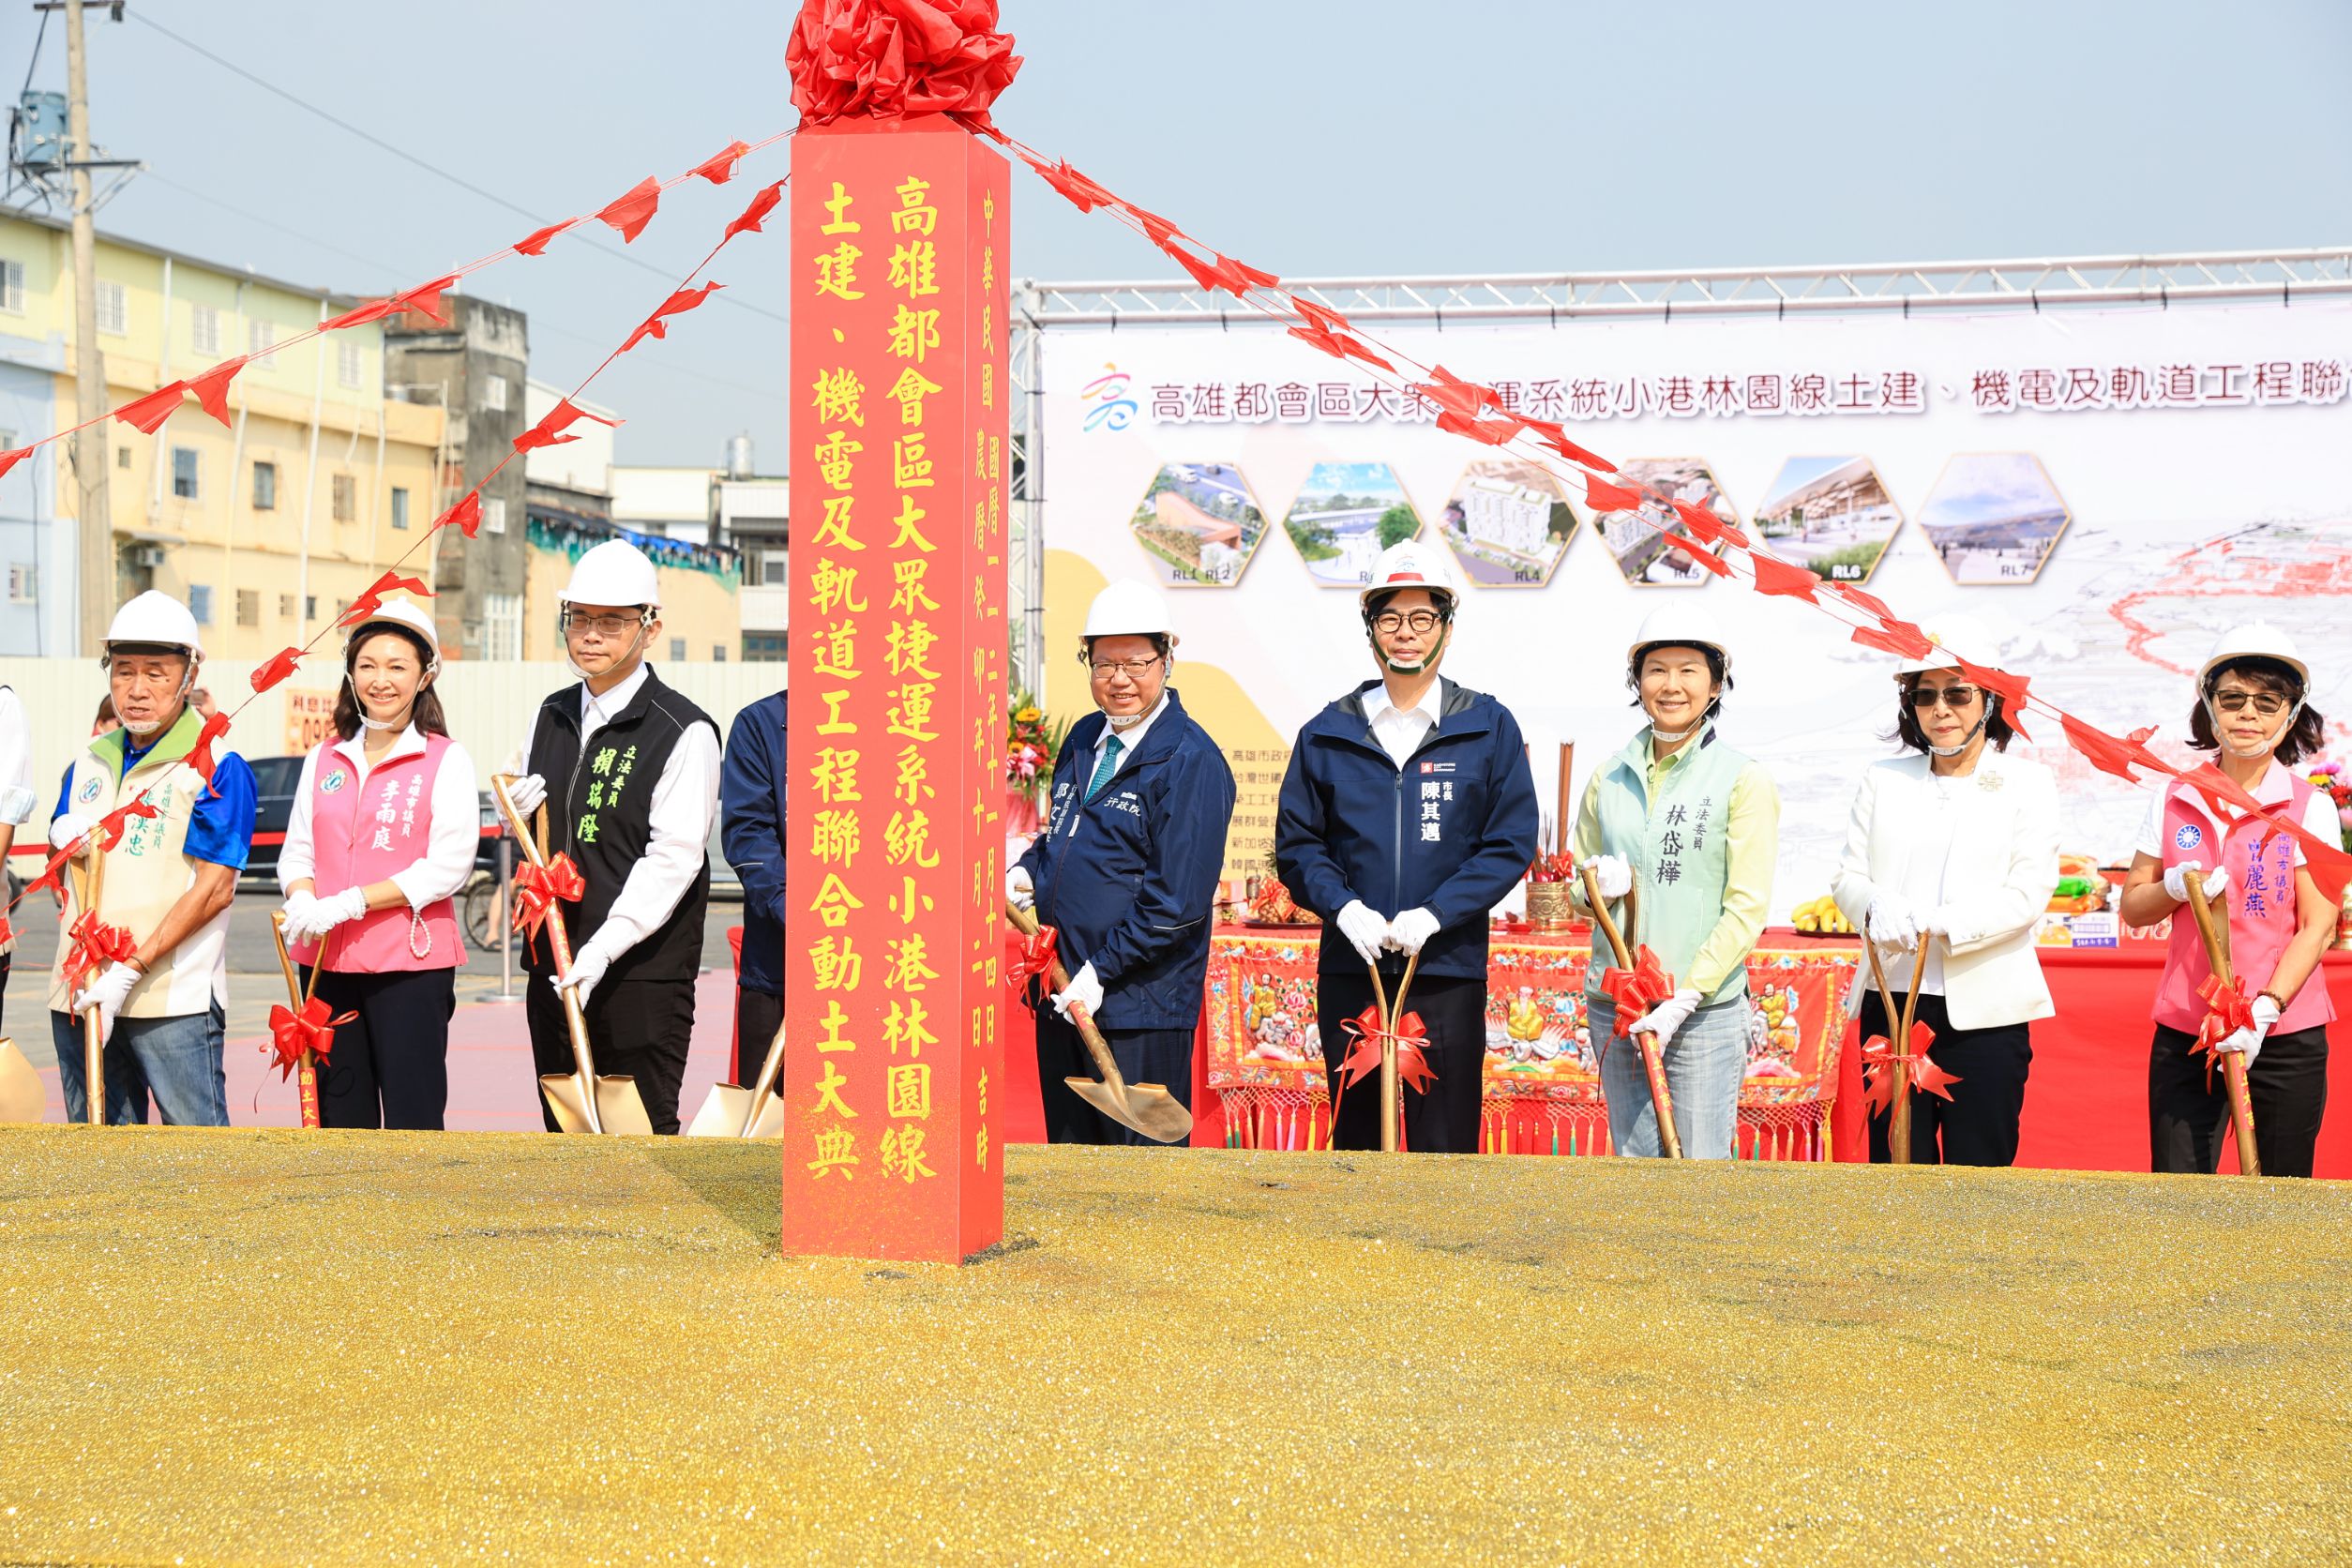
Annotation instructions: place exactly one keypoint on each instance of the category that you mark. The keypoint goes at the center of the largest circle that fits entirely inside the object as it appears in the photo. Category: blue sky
(1495, 137)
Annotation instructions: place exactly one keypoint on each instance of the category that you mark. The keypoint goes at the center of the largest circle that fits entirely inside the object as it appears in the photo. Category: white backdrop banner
(2104, 489)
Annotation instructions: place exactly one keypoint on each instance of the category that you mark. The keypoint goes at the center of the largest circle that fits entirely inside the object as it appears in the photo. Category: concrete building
(755, 517)
(1506, 514)
(475, 369)
(675, 503)
(266, 527)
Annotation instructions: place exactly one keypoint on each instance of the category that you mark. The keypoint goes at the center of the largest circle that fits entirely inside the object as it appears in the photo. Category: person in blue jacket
(1126, 869)
(1407, 814)
(751, 785)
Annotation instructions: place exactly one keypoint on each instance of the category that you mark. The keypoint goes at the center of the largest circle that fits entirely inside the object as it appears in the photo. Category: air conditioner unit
(147, 555)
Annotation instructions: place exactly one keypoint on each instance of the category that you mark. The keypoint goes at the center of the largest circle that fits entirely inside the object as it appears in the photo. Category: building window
(495, 394)
(677, 650)
(345, 498)
(501, 627)
(24, 583)
(249, 607)
(262, 344)
(200, 602)
(310, 608)
(114, 308)
(122, 457)
(265, 486)
(765, 650)
(12, 287)
(203, 329)
(347, 363)
(285, 606)
(399, 507)
(494, 515)
(184, 472)
(718, 653)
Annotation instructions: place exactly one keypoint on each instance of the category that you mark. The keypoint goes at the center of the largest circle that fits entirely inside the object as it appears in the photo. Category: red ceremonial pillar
(894, 1064)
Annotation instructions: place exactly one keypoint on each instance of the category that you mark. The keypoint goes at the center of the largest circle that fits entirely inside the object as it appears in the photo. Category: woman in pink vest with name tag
(385, 821)
(2253, 710)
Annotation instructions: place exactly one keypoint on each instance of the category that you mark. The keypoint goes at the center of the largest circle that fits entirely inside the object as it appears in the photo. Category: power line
(407, 156)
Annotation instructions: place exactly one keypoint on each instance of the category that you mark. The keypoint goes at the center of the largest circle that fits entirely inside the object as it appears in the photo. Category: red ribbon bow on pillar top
(291, 1034)
(96, 944)
(2228, 1009)
(1637, 989)
(1363, 1057)
(884, 59)
(537, 887)
(1034, 954)
(1880, 1058)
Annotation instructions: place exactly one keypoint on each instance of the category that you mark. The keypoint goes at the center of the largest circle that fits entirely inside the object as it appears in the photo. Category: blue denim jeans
(1704, 1064)
(176, 1059)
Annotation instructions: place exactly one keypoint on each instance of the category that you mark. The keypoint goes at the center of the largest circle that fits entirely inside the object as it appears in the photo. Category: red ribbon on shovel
(1034, 954)
(2228, 1009)
(96, 944)
(1880, 1059)
(291, 1034)
(1363, 1057)
(1637, 989)
(538, 888)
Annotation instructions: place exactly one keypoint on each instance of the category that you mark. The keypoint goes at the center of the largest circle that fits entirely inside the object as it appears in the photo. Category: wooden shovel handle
(2216, 936)
(560, 945)
(1652, 1062)
(1615, 938)
(88, 882)
(307, 1070)
(1025, 922)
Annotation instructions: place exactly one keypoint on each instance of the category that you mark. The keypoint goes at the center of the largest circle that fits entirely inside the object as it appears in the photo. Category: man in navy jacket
(1407, 814)
(1127, 869)
(751, 785)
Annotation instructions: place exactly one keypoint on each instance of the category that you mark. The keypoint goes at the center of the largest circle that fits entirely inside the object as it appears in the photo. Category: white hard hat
(159, 618)
(1954, 635)
(1680, 625)
(1410, 563)
(1129, 609)
(613, 572)
(401, 613)
(2254, 640)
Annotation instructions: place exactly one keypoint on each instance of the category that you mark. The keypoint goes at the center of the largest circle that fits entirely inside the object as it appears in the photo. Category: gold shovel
(21, 1097)
(1899, 1108)
(87, 884)
(1391, 1087)
(2215, 931)
(1652, 1060)
(757, 1111)
(582, 1101)
(1147, 1107)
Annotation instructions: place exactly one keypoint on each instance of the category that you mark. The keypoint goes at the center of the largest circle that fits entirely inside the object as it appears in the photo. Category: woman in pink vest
(2251, 709)
(385, 820)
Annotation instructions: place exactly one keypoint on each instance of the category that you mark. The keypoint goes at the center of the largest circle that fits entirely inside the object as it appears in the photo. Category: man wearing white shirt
(629, 769)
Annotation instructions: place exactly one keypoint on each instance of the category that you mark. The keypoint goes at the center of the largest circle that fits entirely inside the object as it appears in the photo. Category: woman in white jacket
(1953, 851)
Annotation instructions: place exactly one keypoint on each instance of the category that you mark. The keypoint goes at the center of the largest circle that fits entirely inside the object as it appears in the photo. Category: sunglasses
(2269, 705)
(1953, 697)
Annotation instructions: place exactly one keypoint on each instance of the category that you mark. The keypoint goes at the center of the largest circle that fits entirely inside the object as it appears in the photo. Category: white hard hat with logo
(1129, 609)
(1410, 563)
(1680, 625)
(1956, 637)
(408, 617)
(615, 572)
(155, 619)
(2254, 640)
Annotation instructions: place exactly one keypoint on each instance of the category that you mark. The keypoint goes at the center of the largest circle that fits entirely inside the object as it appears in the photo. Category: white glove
(1084, 991)
(1018, 891)
(106, 993)
(589, 962)
(1409, 931)
(69, 829)
(1366, 932)
(327, 914)
(2176, 881)
(525, 793)
(300, 910)
(1615, 874)
(1894, 922)
(1667, 1016)
(2249, 1039)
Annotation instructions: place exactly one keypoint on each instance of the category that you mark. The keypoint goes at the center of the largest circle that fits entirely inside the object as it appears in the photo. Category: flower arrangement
(1031, 743)
(2336, 779)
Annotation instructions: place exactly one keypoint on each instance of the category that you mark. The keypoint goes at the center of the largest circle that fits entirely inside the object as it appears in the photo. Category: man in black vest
(635, 786)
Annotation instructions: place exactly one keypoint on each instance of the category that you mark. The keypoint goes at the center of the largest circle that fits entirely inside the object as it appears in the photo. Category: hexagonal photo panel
(1993, 518)
(1634, 543)
(1200, 525)
(1508, 523)
(1831, 515)
(1344, 516)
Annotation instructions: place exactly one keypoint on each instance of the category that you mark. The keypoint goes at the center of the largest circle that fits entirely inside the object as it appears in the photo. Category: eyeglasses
(2269, 705)
(1953, 697)
(1134, 669)
(1388, 622)
(612, 627)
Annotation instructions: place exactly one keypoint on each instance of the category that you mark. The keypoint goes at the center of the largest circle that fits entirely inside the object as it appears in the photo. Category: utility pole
(93, 517)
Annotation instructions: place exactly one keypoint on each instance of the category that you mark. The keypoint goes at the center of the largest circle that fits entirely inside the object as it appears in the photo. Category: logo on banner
(1108, 407)
(2188, 835)
(334, 781)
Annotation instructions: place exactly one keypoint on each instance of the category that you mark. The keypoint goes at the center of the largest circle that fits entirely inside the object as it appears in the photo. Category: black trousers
(1978, 1125)
(638, 1027)
(1442, 1120)
(1161, 1056)
(390, 1065)
(2287, 1087)
(757, 1017)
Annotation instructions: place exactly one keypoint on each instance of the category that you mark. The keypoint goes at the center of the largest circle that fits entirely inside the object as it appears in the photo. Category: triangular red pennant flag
(1498, 432)
(466, 516)
(1699, 553)
(200, 755)
(212, 388)
(629, 214)
(763, 204)
(1602, 496)
(146, 414)
(424, 299)
(1554, 435)
(678, 302)
(274, 669)
(1158, 230)
(2010, 689)
(550, 430)
(358, 315)
(720, 167)
(1775, 576)
(1706, 524)
(369, 602)
(535, 243)
(1076, 188)
(10, 460)
(1899, 638)
(1322, 316)
(1855, 596)
(2108, 754)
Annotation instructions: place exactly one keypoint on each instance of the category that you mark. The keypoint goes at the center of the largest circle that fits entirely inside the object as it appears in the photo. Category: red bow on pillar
(96, 944)
(291, 1034)
(538, 888)
(1034, 955)
(2228, 1009)
(1879, 1059)
(1637, 989)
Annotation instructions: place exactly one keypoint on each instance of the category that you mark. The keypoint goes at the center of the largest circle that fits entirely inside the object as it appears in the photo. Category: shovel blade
(619, 1110)
(1146, 1108)
(21, 1097)
(562, 1092)
(722, 1115)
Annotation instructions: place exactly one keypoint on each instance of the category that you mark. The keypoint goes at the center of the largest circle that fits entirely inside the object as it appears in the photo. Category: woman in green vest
(1695, 825)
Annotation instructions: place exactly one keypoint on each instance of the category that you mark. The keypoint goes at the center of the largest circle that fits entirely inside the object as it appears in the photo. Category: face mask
(1421, 665)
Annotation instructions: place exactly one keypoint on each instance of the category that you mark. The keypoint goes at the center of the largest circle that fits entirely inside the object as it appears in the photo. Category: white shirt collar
(1131, 736)
(354, 751)
(1382, 706)
(605, 707)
